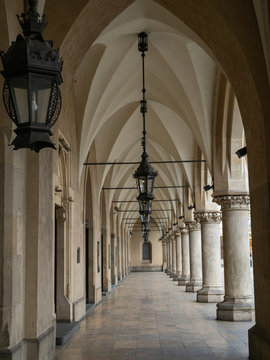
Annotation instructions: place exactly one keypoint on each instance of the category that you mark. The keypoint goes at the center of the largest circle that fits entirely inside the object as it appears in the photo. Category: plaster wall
(136, 243)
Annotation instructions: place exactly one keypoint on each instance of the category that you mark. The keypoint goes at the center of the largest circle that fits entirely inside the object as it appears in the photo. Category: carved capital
(208, 217)
(233, 201)
(183, 230)
(177, 233)
(194, 226)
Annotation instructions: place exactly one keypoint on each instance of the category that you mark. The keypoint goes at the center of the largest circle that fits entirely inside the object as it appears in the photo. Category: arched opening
(147, 252)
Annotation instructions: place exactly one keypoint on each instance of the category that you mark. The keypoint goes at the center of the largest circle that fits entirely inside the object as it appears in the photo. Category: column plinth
(238, 302)
(195, 253)
(185, 258)
(212, 289)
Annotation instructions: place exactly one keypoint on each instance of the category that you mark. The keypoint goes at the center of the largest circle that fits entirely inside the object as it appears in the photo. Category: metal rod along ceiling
(138, 162)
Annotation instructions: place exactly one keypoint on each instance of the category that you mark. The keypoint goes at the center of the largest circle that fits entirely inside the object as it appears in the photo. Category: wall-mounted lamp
(175, 224)
(241, 152)
(208, 187)
(116, 208)
(181, 217)
(191, 207)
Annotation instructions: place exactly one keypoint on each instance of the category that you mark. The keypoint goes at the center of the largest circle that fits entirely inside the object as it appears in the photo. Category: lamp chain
(143, 104)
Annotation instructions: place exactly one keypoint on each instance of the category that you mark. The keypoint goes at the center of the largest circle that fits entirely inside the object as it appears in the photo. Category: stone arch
(229, 172)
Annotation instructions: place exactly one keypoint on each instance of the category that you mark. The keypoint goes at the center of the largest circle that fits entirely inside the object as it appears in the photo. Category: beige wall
(136, 242)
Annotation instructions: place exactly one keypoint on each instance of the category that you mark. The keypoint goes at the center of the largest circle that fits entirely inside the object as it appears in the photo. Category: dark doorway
(101, 259)
(87, 265)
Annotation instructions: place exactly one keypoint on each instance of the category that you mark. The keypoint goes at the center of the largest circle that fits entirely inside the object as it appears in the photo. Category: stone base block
(235, 310)
(183, 280)
(175, 277)
(42, 347)
(193, 286)
(259, 343)
(209, 294)
(172, 275)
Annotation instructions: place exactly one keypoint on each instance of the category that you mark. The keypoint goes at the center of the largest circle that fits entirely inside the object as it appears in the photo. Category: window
(146, 251)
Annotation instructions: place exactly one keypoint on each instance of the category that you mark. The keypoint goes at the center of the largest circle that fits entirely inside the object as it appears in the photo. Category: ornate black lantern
(145, 218)
(32, 72)
(145, 174)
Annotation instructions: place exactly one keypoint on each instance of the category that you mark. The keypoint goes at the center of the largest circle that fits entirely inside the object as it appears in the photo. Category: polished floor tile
(150, 317)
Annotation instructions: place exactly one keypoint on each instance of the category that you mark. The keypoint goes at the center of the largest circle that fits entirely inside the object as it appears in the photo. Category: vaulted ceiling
(180, 81)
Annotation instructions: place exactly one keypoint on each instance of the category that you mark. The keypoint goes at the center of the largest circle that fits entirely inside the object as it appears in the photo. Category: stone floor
(149, 317)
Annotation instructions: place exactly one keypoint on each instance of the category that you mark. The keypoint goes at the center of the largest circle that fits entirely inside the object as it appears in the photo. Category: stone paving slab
(150, 317)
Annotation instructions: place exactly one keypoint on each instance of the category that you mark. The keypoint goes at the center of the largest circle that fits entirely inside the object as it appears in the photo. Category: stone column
(212, 290)
(178, 255)
(237, 304)
(185, 258)
(164, 255)
(195, 255)
(170, 257)
(173, 272)
(167, 256)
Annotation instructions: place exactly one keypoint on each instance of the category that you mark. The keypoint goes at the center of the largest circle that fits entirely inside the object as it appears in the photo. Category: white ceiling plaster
(180, 80)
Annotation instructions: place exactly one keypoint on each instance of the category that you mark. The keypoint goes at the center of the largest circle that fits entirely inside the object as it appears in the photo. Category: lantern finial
(31, 22)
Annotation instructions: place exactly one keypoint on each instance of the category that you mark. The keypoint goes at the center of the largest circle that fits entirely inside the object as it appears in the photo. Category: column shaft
(237, 304)
(173, 273)
(178, 255)
(185, 258)
(212, 290)
(195, 251)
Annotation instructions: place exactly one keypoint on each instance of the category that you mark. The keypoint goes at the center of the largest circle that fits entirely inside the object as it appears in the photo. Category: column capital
(183, 230)
(194, 225)
(233, 201)
(177, 233)
(208, 217)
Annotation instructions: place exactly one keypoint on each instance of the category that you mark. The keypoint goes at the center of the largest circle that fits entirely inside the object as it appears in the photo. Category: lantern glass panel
(39, 97)
(19, 91)
(145, 218)
(151, 184)
(145, 205)
(142, 185)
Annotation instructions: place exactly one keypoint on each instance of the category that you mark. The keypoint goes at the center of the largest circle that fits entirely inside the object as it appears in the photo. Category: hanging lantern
(32, 72)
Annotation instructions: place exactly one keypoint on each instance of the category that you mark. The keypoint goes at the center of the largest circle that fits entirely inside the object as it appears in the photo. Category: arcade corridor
(149, 317)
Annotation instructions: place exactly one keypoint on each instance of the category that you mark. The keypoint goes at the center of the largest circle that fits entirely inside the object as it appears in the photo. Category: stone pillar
(178, 255)
(164, 255)
(170, 257)
(173, 272)
(212, 290)
(113, 260)
(238, 302)
(185, 258)
(195, 256)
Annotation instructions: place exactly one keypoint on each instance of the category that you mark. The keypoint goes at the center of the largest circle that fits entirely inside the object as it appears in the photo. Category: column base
(183, 280)
(41, 347)
(210, 294)
(235, 309)
(172, 274)
(259, 343)
(193, 285)
(175, 277)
